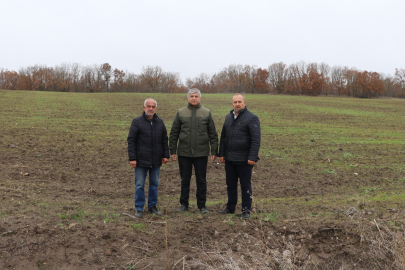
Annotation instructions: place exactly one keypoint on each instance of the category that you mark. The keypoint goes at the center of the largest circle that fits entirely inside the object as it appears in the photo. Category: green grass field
(359, 140)
(320, 156)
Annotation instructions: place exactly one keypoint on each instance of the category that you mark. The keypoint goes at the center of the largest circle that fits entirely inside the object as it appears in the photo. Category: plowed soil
(66, 194)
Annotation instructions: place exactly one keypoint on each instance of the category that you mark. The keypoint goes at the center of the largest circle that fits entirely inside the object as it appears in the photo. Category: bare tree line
(92, 79)
(295, 79)
(301, 79)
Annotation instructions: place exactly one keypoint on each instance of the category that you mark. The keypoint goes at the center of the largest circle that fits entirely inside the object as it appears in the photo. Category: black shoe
(227, 211)
(245, 215)
(138, 213)
(204, 210)
(153, 210)
(182, 209)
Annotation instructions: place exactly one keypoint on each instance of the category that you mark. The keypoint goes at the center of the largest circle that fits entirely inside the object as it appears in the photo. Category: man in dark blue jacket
(239, 149)
(147, 149)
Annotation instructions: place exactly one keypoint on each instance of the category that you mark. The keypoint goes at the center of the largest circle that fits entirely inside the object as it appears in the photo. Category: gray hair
(144, 104)
(239, 94)
(193, 91)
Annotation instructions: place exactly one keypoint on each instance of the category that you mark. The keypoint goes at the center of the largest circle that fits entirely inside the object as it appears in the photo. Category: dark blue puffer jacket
(147, 141)
(240, 137)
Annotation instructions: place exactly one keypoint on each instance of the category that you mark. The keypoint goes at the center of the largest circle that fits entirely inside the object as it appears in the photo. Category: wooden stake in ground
(167, 249)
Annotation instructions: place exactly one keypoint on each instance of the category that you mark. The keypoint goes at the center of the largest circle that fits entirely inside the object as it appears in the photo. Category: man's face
(149, 108)
(238, 103)
(194, 99)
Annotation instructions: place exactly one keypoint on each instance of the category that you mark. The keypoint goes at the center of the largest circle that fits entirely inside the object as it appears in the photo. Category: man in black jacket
(239, 149)
(147, 149)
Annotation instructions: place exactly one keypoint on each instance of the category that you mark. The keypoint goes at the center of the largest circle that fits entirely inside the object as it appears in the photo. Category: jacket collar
(240, 112)
(155, 116)
(192, 107)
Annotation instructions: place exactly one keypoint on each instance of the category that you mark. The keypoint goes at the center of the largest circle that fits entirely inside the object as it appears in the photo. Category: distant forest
(295, 79)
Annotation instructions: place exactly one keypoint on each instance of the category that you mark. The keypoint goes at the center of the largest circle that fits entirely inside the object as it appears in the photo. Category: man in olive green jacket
(194, 130)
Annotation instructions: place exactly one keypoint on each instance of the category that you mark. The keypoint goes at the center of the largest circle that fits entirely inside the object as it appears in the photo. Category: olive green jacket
(194, 131)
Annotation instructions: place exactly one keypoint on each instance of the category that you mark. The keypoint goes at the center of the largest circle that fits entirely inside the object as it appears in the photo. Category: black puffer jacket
(147, 141)
(240, 137)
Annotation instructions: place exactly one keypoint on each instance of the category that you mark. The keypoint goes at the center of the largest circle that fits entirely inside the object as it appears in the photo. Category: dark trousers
(243, 171)
(200, 168)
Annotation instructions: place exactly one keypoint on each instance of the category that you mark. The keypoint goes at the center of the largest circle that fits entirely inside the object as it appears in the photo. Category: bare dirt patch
(66, 196)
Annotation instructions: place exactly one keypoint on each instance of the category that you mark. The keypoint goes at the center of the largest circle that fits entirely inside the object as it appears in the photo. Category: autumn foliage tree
(260, 81)
(8, 79)
(370, 84)
(400, 81)
(296, 79)
(311, 82)
(118, 84)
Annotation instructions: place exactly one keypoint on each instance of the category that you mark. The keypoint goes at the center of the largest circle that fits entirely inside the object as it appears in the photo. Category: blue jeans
(140, 176)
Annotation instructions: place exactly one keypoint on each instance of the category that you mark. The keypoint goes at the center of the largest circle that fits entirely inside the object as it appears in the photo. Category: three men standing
(239, 149)
(147, 150)
(193, 132)
(193, 138)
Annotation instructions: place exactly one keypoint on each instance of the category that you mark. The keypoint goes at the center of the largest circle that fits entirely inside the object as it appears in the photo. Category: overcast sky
(191, 37)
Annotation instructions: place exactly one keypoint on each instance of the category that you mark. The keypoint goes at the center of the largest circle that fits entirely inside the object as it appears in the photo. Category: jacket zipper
(153, 145)
(232, 127)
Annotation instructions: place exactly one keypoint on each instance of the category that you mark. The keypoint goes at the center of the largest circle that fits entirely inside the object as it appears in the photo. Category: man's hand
(213, 158)
(251, 162)
(165, 160)
(222, 159)
(133, 163)
(174, 157)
